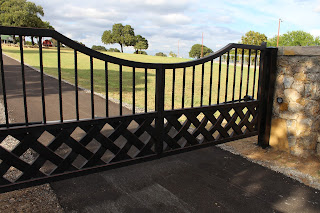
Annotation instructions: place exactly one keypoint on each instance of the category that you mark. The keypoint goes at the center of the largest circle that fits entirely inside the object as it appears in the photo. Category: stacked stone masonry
(296, 121)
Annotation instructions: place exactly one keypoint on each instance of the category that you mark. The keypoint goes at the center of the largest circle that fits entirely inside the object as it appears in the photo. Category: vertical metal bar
(133, 90)
(227, 77)
(248, 76)
(42, 82)
(255, 73)
(4, 88)
(120, 88)
(219, 81)
(210, 92)
(107, 88)
(173, 86)
(23, 82)
(145, 90)
(59, 77)
(234, 73)
(159, 120)
(241, 76)
(76, 83)
(193, 74)
(92, 87)
(260, 74)
(202, 79)
(183, 87)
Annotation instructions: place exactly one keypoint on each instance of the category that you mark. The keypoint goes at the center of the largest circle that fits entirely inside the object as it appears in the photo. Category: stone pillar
(296, 121)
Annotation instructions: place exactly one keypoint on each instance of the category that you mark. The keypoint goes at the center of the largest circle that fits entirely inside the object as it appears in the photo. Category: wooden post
(266, 93)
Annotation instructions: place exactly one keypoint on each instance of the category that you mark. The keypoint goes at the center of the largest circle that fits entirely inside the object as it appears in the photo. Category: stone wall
(296, 121)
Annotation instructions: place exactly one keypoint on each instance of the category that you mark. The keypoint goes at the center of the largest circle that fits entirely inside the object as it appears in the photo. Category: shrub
(113, 50)
(160, 54)
(98, 48)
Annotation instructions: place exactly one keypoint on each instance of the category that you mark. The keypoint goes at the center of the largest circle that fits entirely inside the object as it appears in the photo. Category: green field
(31, 57)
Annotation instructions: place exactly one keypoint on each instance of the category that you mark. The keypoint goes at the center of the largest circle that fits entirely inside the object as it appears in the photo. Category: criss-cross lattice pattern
(50, 150)
(193, 128)
(42, 151)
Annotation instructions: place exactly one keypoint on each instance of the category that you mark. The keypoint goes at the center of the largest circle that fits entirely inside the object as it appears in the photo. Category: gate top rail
(25, 31)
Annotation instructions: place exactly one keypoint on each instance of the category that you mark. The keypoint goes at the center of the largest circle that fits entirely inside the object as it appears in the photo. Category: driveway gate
(194, 104)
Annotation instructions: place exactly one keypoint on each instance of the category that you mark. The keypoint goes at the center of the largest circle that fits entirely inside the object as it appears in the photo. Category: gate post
(266, 91)
(160, 82)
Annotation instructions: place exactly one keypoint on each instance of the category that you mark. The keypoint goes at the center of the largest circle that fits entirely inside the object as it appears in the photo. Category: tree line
(291, 38)
(124, 35)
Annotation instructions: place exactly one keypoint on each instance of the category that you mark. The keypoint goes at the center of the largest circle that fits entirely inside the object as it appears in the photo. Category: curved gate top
(175, 107)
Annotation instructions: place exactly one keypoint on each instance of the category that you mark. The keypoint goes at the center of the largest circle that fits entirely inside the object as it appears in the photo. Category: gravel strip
(33, 199)
(289, 172)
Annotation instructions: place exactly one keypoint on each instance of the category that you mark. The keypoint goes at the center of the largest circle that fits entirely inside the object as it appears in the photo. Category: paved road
(33, 89)
(205, 180)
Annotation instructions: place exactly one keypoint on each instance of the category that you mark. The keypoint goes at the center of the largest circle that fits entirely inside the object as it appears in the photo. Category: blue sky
(165, 22)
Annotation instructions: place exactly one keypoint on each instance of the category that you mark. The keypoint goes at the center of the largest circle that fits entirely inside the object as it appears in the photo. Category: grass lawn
(31, 57)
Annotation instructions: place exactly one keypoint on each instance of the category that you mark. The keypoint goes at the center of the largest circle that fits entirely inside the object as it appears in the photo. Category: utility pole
(202, 46)
(178, 48)
(278, 32)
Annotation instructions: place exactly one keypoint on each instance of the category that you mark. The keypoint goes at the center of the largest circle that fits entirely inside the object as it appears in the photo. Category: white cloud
(224, 19)
(317, 9)
(164, 22)
(88, 13)
(315, 32)
(176, 18)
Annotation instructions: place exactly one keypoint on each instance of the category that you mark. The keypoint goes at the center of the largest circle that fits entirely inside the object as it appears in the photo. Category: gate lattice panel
(182, 106)
(189, 127)
(55, 149)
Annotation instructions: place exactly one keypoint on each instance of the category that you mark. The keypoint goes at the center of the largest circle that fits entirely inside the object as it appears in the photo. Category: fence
(185, 105)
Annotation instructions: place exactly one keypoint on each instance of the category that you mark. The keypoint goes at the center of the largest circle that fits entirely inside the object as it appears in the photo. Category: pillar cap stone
(299, 50)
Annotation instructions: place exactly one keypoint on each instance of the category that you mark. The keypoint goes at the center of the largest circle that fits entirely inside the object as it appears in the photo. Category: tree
(143, 52)
(172, 54)
(47, 25)
(21, 13)
(195, 51)
(113, 50)
(253, 38)
(317, 41)
(161, 54)
(141, 44)
(98, 48)
(294, 38)
(123, 35)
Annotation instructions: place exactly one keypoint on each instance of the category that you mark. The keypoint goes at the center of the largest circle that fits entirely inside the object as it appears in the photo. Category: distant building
(6, 39)
(47, 43)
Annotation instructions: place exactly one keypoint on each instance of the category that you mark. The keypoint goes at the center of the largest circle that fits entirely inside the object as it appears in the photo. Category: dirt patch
(305, 170)
(33, 199)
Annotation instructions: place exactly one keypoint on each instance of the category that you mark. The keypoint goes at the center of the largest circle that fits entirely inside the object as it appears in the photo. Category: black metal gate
(219, 98)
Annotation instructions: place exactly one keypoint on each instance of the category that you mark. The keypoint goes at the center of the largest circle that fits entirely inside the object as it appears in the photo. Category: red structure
(47, 43)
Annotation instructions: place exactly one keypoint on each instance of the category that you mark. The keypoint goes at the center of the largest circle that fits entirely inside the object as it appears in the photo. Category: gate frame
(267, 75)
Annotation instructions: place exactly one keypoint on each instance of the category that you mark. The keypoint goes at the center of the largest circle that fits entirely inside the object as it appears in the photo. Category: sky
(167, 24)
